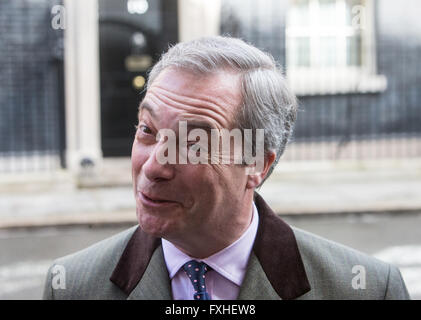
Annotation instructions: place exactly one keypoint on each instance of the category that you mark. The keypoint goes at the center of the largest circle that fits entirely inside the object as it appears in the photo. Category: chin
(154, 226)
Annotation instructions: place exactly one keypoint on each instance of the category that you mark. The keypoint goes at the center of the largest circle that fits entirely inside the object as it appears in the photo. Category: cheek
(139, 156)
(209, 181)
(231, 178)
(197, 182)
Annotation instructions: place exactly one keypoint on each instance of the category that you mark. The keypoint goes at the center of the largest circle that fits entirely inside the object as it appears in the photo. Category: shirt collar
(230, 262)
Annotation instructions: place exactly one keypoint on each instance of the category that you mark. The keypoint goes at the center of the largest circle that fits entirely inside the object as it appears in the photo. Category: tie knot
(196, 270)
(195, 267)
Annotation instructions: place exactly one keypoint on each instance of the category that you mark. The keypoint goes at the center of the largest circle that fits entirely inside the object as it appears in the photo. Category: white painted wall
(83, 132)
(197, 18)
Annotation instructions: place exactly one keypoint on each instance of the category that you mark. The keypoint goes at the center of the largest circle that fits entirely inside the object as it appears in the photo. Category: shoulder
(86, 273)
(330, 253)
(107, 251)
(336, 271)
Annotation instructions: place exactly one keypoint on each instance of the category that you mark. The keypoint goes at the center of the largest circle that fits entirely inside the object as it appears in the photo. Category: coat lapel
(278, 256)
(155, 283)
(141, 272)
(256, 285)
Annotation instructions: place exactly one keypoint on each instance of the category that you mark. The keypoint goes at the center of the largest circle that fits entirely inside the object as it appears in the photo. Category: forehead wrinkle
(217, 101)
(200, 108)
(201, 99)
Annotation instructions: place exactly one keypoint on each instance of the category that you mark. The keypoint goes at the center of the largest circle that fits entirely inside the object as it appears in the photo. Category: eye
(144, 129)
(194, 146)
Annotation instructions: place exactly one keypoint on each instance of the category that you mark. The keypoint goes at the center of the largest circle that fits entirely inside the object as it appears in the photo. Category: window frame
(316, 79)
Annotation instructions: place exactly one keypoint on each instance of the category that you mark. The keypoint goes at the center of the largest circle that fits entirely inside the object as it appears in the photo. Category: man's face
(175, 200)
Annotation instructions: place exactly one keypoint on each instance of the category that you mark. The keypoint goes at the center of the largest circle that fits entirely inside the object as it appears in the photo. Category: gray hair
(267, 102)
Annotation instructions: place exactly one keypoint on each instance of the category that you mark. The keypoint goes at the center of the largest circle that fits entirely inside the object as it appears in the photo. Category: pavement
(301, 188)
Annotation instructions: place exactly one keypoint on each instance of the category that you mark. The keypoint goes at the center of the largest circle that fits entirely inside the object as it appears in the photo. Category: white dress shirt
(228, 266)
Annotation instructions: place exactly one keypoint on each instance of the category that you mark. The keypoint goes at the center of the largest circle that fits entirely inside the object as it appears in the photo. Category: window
(330, 47)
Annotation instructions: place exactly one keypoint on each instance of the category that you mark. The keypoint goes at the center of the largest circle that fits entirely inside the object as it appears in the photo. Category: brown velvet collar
(275, 247)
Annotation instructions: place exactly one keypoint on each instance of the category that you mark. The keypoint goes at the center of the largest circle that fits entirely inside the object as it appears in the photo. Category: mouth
(153, 201)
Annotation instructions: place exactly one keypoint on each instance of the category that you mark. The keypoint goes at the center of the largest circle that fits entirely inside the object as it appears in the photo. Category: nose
(155, 168)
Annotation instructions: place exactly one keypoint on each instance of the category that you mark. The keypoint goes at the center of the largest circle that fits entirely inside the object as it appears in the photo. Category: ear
(255, 178)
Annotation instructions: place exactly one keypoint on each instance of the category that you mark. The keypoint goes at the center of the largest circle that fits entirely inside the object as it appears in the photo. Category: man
(204, 233)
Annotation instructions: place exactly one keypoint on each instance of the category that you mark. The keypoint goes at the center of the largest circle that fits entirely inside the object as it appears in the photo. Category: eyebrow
(198, 124)
(191, 123)
(145, 106)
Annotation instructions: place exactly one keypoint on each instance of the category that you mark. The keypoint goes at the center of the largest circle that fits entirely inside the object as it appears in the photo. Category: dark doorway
(133, 33)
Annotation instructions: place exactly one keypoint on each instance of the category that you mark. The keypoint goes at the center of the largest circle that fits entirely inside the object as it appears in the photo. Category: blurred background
(72, 74)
